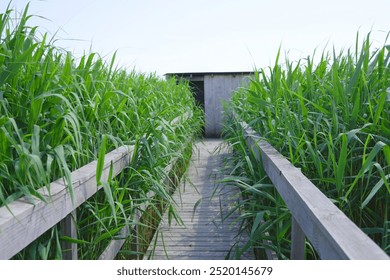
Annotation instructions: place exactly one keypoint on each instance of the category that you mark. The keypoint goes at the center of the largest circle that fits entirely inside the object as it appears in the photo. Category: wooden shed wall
(216, 89)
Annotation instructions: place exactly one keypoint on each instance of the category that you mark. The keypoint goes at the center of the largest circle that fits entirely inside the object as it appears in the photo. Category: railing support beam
(297, 241)
(69, 228)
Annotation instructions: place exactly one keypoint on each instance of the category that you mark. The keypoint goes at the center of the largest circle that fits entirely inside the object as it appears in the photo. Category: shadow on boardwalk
(209, 227)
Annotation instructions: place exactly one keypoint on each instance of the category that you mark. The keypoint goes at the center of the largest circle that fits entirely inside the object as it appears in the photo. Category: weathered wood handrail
(22, 221)
(330, 231)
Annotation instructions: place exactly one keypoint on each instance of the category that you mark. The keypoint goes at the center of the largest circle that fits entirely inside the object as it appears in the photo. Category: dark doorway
(198, 91)
(197, 88)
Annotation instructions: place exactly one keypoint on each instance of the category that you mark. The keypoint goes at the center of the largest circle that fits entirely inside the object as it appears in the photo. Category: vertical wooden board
(297, 241)
(69, 229)
(209, 105)
(219, 88)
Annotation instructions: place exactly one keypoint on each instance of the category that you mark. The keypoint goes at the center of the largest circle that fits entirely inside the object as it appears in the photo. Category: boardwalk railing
(22, 221)
(330, 231)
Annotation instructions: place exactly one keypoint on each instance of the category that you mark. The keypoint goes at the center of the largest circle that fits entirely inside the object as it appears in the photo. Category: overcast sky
(207, 35)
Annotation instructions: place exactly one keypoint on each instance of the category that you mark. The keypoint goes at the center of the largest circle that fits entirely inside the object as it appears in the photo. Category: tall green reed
(58, 114)
(331, 119)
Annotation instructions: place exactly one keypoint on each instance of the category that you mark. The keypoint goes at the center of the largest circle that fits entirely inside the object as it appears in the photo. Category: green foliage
(331, 119)
(58, 113)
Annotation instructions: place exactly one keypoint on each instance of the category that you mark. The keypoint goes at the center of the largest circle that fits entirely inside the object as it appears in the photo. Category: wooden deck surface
(203, 205)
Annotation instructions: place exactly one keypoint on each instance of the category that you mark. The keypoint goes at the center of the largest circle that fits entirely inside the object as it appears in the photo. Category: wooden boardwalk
(203, 205)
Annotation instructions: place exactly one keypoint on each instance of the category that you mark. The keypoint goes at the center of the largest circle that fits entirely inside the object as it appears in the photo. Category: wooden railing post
(297, 241)
(136, 239)
(69, 228)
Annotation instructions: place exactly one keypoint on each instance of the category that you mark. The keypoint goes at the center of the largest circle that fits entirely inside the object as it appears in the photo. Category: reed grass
(331, 119)
(58, 113)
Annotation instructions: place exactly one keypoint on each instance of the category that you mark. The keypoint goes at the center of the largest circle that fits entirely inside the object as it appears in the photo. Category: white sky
(207, 35)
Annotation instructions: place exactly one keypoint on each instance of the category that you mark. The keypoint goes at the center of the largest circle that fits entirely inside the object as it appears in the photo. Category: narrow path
(203, 205)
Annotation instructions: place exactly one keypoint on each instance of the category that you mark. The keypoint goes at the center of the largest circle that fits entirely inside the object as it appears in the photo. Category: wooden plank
(297, 241)
(69, 228)
(198, 241)
(115, 245)
(204, 235)
(199, 256)
(199, 246)
(23, 221)
(187, 242)
(332, 234)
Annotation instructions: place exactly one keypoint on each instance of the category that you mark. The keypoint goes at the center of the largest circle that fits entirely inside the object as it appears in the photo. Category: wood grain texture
(297, 241)
(21, 222)
(69, 228)
(202, 204)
